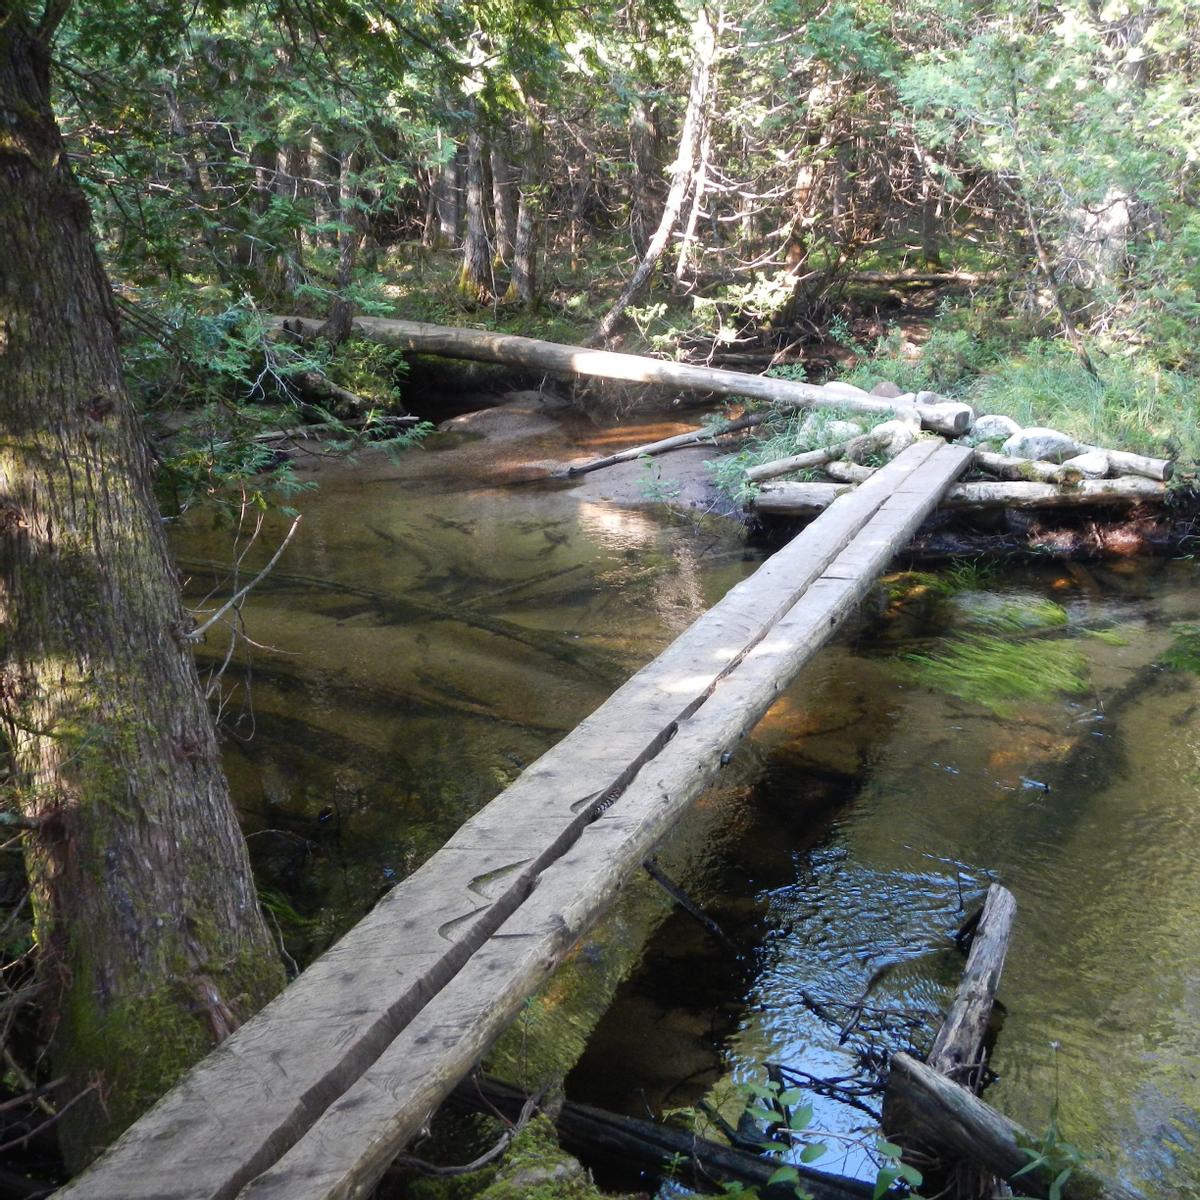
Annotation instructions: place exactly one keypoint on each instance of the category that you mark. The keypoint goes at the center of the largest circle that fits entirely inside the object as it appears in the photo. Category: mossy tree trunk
(146, 914)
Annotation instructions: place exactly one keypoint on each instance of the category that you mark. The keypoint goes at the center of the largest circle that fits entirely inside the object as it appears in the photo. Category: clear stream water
(438, 623)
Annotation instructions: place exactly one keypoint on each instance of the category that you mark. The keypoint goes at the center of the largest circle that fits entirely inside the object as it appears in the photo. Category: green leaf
(884, 1180)
(801, 1118)
(812, 1152)
(888, 1149)
(1059, 1180)
(785, 1174)
(791, 1096)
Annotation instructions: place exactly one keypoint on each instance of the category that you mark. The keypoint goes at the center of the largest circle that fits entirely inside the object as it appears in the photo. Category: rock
(931, 398)
(535, 400)
(844, 389)
(900, 434)
(1047, 445)
(886, 389)
(993, 428)
(1093, 464)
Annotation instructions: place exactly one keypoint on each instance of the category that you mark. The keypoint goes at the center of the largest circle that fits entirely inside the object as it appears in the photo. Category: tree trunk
(341, 312)
(522, 284)
(475, 278)
(503, 206)
(682, 175)
(643, 150)
(447, 200)
(147, 919)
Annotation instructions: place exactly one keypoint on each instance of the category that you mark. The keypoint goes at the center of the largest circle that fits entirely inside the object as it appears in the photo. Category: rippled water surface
(436, 625)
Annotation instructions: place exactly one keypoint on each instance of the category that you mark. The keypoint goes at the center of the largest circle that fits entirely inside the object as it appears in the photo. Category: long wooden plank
(258, 1092)
(482, 345)
(351, 1144)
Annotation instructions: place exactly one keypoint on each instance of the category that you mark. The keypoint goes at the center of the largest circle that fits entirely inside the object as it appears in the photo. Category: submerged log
(693, 438)
(950, 1117)
(804, 498)
(950, 417)
(661, 1150)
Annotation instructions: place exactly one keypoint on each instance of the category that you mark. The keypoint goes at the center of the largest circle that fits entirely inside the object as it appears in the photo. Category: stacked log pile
(1015, 468)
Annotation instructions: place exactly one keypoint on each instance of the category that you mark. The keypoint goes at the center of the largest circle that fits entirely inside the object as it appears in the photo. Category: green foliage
(786, 1117)
(1184, 651)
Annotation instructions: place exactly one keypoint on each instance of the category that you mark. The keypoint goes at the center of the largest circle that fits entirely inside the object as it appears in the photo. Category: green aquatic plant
(1022, 615)
(1001, 673)
(1184, 652)
(1110, 637)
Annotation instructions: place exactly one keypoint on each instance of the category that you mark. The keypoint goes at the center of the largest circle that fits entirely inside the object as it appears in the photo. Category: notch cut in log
(959, 1123)
(950, 417)
(806, 498)
(661, 1150)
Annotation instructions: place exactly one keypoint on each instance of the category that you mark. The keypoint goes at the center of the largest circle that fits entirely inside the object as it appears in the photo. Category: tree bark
(503, 207)
(341, 312)
(522, 283)
(682, 175)
(146, 913)
(475, 278)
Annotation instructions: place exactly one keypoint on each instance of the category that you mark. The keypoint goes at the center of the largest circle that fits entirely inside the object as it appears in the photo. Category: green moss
(1002, 674)
(536, 1168)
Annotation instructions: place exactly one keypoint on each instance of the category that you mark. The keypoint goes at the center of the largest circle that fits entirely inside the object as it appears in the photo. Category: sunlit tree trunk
(503, 206)
(522, 286)
(682, 175)
(151, 940)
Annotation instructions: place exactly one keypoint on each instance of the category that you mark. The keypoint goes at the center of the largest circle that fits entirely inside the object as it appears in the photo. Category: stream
(441, 620)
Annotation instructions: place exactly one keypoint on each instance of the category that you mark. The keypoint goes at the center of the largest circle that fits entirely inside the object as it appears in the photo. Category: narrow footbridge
(312, 1098)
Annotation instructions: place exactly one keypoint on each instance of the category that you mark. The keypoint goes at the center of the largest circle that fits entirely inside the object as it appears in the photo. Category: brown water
(436, 626)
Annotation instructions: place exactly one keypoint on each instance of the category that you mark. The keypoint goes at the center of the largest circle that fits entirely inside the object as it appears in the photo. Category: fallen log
(848, 472)
(1026, 469)
(959, 1123)
(958, 1049)
(660, 1150)
(851, 448)
(693, 438)
(802, 499)
(950, 417)
(1135, 464)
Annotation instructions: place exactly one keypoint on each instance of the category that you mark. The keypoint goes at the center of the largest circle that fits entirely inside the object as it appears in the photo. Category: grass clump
(1002, 674)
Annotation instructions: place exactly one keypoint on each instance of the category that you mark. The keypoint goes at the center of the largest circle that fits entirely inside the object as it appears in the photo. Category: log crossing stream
(315, 1095)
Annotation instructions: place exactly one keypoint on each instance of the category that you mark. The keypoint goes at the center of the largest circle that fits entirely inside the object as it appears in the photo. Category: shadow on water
(434, 629)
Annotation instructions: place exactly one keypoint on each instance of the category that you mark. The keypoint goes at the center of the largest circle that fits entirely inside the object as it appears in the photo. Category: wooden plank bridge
(312, 1098)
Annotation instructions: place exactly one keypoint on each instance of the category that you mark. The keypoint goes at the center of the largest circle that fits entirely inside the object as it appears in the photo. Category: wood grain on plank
(349, 1147)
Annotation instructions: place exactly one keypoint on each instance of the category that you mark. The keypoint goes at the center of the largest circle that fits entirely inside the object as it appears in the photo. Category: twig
(197, 634)
(427, 1168)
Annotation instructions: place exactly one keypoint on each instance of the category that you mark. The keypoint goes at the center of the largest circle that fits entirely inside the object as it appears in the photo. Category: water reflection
(1087, 807)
